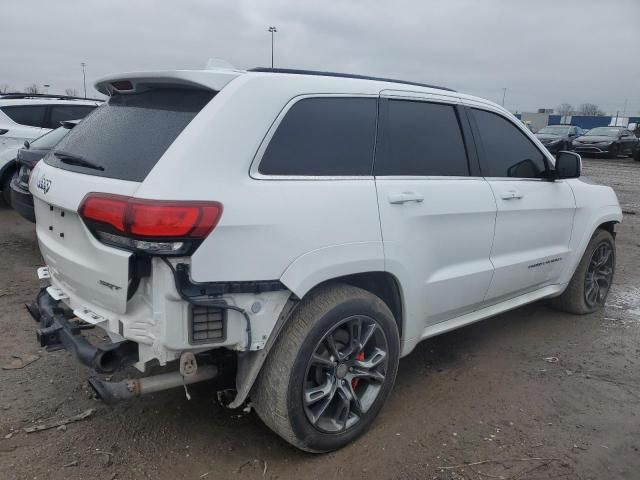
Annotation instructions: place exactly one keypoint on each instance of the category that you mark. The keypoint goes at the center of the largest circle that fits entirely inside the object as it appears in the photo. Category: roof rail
(18, 95)
(343, 75)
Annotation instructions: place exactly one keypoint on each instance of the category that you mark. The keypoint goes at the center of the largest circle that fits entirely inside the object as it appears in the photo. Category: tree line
(33, 88)
(589, 109)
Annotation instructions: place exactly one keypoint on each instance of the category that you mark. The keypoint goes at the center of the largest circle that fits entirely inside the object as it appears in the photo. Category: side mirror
(568, 165)
(26, 144)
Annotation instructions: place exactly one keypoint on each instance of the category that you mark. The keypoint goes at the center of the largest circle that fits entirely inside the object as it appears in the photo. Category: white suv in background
(302, 231)
(25, 116)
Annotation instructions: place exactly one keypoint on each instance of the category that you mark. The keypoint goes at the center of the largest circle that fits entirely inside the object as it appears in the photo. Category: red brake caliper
(355, 381)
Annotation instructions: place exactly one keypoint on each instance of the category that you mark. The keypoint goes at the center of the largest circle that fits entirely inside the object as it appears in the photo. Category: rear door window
(129, 133)
(420, 139)
(63, 113)
(29, 115)
(324, 136)
(508, 152)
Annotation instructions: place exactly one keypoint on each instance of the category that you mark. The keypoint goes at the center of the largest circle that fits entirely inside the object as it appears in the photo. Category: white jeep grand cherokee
(302, 231)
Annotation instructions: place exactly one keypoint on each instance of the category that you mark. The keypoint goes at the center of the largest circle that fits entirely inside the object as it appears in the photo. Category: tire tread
(269, 394)
(572, 299)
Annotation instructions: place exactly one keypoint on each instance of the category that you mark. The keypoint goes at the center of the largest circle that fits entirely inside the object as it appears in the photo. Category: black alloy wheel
(345, 374)
(599, 275)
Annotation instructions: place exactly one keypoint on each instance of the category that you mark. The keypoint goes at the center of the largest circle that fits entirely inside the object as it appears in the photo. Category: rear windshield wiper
(77, 160)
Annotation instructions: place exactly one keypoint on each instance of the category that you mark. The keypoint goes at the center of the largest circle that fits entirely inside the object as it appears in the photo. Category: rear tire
(580, 298)
(317, 400)
(5, 185)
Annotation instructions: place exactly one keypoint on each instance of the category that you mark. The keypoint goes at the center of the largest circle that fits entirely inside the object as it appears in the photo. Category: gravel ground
(483, 395)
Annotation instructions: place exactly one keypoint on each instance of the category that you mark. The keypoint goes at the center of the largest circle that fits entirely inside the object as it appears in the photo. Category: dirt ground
(491, 394)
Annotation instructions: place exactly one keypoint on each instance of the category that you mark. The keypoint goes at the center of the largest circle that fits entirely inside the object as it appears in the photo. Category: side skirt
(438, 328)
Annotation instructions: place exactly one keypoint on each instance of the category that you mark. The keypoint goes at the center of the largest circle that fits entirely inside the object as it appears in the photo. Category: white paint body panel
(532, 229)
(438, 249)
(458, 256)
(77, 261)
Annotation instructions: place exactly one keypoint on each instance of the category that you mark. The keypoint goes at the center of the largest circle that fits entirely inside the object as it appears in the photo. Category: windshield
(604, 132)
(555, 130)
(50, 139)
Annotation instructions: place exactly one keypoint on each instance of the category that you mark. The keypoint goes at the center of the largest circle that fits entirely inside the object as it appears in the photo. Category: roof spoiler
(212, 79)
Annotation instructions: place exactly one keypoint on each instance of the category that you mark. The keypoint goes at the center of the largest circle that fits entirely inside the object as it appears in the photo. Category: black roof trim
(5, 96)
(343, 75)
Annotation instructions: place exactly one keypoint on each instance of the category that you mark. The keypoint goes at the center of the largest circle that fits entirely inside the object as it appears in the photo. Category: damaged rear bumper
(59, 328)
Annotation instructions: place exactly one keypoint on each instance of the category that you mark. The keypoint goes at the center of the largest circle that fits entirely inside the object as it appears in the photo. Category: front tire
(331, 369)
(614, 151)
(591, 282)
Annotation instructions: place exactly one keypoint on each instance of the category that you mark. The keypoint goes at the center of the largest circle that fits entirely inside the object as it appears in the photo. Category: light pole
(272, 30)
(504, 94)
(84, 79)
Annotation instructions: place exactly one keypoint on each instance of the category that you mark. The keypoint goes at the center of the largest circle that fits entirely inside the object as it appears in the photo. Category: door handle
(511, 194)
(405, 197)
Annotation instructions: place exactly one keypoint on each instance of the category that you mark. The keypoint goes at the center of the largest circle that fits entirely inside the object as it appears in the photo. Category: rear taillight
(154, 226)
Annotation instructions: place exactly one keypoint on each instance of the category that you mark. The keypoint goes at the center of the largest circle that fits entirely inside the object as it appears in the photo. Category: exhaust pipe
(112, 392)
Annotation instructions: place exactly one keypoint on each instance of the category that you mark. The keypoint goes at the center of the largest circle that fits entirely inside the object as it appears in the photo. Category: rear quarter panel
(267, 225)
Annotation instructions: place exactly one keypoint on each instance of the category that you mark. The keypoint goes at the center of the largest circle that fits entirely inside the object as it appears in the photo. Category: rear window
(30, 115)
(128, 134)
(49, 140)
(324, 136)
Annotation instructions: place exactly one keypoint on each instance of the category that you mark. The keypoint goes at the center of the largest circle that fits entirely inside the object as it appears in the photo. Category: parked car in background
(611, 141)
(26, 159)
(28, 116)
(347, 219)
(558, 137)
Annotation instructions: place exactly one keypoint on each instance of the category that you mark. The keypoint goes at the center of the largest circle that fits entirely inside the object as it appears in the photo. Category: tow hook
(188, 368)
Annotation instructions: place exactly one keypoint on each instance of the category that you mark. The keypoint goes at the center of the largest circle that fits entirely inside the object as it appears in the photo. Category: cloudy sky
(544, 52)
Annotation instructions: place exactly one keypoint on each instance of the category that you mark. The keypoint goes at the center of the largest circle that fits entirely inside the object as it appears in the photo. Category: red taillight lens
(158, 220)
(110, 210)
(149, 220)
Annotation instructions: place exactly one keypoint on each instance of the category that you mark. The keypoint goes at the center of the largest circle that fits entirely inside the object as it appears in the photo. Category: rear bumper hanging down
(58, 331)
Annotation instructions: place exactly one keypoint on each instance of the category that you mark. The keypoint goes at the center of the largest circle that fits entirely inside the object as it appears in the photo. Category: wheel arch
(609, 226)
(380, 283)
(7, 170)
(607, 220)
